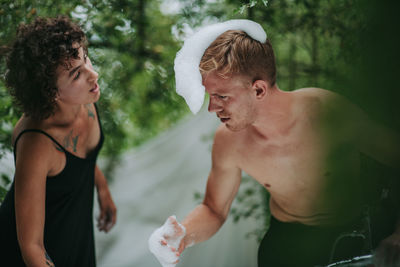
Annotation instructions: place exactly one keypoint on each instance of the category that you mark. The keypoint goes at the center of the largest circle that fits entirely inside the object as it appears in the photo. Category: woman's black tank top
(68, 228)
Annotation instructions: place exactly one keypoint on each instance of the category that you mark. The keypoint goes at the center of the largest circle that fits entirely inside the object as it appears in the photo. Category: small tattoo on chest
(90, 113)
(71, 141)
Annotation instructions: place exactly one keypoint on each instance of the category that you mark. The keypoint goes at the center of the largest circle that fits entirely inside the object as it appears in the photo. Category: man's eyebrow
(73, 71)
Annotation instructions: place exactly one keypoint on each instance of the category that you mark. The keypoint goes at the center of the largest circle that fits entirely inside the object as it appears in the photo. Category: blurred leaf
(3, 193)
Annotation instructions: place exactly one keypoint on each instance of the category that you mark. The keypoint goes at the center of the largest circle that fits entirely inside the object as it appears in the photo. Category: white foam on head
(163, 253)
(187, 75)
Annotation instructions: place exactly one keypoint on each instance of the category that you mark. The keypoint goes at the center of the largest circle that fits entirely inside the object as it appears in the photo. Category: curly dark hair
(38, 49)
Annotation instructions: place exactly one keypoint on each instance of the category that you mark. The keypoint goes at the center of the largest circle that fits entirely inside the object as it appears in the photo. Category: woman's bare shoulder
(32, 141)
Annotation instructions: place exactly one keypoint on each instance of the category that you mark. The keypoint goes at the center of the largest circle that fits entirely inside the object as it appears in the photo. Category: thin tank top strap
(99, 122)
(36, 131)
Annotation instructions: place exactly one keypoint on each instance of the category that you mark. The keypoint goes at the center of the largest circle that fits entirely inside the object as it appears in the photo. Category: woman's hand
(108, 210)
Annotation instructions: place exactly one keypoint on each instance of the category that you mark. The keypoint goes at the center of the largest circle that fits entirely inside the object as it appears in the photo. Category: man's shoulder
(333, 109)
(316, 93)
(322, 99)
(225, 147)
(226, 141)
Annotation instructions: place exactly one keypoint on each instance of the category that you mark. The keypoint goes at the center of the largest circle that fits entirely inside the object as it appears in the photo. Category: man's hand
(108, 211)
(388, 252)
(165, 241)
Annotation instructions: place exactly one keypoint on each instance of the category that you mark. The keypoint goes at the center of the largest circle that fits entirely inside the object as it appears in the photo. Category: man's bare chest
(298, 164)
(279, 162)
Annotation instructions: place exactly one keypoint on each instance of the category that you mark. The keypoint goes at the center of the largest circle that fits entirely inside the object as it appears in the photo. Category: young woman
(46, 218)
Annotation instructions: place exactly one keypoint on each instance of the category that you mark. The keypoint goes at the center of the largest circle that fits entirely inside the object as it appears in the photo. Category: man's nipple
(267, 185)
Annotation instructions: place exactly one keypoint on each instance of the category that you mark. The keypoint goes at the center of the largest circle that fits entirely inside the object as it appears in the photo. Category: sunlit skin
(74, 124)
(231, 102)
(294, 145)
(77, 85)
(269, 134)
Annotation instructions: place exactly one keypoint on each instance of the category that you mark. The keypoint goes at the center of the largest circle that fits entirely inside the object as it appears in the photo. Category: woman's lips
(95, 89)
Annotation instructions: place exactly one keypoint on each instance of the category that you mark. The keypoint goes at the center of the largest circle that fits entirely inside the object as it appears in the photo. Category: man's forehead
(215, 83)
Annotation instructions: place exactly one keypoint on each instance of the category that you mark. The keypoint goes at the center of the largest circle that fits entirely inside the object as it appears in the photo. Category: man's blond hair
(234, 52)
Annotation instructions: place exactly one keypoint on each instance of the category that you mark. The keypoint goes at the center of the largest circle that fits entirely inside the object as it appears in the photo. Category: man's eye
(77, 75)
(221, 96)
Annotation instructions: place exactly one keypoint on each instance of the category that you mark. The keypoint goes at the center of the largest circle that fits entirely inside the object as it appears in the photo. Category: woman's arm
(36, 157)
(108, 211)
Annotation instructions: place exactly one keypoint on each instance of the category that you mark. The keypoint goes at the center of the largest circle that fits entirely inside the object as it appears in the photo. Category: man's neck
(275, 116)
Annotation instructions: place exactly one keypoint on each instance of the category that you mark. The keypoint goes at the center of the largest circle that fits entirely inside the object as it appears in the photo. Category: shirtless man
(302, 146)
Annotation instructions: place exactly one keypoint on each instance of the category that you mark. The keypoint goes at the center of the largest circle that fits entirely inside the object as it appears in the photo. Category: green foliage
(340, 45)
(8, 120)
(5, 181)
(131, 46)
(252, 201)
(3, 193)
(251, 3)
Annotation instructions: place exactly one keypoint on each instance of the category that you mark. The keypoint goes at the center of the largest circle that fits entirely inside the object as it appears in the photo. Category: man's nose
(214, 106)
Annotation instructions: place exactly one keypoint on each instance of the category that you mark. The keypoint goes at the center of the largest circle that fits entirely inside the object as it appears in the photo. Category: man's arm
(168, 241)
(383, 144)
(108, 210)
(370, 137)
(379, 142)
(222, 185)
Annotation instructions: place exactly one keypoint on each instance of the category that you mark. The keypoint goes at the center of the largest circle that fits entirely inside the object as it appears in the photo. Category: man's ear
(260, 88)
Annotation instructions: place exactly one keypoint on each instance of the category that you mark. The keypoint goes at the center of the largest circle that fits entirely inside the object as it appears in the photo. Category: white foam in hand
(171, 234)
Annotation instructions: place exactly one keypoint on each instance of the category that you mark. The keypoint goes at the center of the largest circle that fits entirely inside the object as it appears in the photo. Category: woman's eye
(77, 75)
